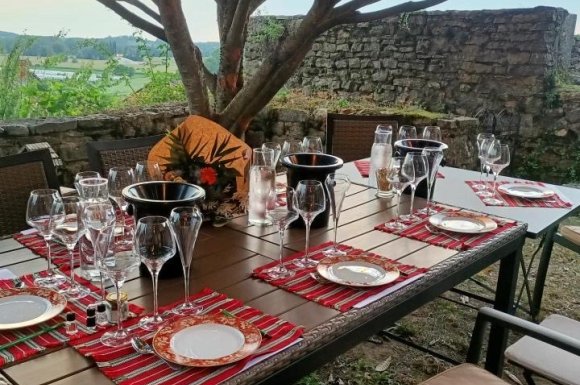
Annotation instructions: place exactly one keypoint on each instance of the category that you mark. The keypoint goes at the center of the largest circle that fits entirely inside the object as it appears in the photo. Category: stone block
(95, 122)
(53, 126)
(292, 115)
(518, 57)
(14, 130)
(573, 116)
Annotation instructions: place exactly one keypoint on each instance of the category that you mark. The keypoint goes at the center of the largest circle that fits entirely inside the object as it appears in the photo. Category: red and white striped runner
(555, 201)
(126, 367)
(339, 297)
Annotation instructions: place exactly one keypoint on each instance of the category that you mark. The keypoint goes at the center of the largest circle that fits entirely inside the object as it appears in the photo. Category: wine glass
(147, 170)
(282, 215)
(117, 266)
(291, 146)
(277, 150)
(93, 190)
(310, 201)
(155, 245)
(336, 185)
(407, 132)
(421, 171)
(119, 178)
(484, 136)
(312, 144)
(400, 177)
(44, 211)
(432, 133)
(486, 159)
(186, 222)
(84, 175)
(498, 158)
(69, 231)
(434, 156)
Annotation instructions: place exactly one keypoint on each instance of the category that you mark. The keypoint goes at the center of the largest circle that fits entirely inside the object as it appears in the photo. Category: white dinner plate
(358, 270)
(29, 306)
(461, 222)
(522, 190)
(211, 340)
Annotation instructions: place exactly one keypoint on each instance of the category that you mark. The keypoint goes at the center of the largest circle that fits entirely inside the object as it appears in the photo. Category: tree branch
(347, 13)
(135, 20)
(148, 11)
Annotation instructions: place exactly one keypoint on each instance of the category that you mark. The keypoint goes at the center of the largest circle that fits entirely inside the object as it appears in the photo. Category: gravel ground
(445, 327)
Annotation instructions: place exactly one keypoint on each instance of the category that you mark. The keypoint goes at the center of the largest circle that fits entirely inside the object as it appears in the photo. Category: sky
(88, 18)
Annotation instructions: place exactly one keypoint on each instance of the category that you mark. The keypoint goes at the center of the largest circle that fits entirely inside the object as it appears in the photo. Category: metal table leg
(543, 265)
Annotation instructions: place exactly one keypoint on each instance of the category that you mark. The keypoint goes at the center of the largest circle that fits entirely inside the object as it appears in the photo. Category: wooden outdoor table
(226, 256)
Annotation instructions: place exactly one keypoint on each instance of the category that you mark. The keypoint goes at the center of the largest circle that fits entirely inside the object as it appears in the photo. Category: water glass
(147, 171)
(420, 167)
(262, 181)
(407, 132)
(498, 158)
(400, 176)
(93, 190)
(381, 154)
(282, 215)
(84, 175)
(97, 218)
(155, 244)
(337, 186)
(434, 156)
(186, 222)
(44, 211)
(481, 138)
(310, 201)
(432, 133)
(312, 144)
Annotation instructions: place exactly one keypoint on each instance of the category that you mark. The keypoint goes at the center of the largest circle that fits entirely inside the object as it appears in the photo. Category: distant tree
(236, 101)
(123, 70)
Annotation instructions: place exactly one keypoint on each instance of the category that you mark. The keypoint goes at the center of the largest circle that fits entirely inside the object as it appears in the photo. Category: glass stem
(307, 240)
(429, 184)
(155, 276)
(186, 273)
(122, 223)
(119, 304)
(481, 164)
(494, 185)
(281, 233)
(399, 193)
(103, 292)
(72, 268)
(49, 258)
(413, 187)
(335, 233)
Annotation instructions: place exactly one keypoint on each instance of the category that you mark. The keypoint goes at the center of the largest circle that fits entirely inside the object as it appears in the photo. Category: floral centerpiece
(201, 152)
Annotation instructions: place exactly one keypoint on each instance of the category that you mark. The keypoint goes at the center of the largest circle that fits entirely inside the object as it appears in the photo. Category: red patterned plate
(209, 340)
(29, 306)
(358, 270)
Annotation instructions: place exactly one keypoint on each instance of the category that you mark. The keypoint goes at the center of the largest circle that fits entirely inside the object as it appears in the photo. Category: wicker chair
(21, 174)
(350, 137)
(125, 152)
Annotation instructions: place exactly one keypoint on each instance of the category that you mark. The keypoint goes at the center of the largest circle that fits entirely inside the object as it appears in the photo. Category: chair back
(350, 137)
(119, 153)
(20, 174)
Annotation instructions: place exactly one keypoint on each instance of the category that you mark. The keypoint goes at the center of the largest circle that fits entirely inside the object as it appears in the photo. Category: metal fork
(437, 232)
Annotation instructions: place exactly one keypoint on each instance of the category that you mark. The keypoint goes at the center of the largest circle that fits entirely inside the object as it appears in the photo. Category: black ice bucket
(314, 166)
(159, 198)
(403, 147)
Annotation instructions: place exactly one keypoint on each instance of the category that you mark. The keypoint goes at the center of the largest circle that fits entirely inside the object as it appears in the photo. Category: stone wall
(461, 62)
(575, 61)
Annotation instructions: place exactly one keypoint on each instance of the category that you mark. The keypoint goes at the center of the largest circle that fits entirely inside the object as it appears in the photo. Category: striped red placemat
(555, 201)
(339, 297)
(56, 337)
(422, 231)
(126, 367)
(364, 166)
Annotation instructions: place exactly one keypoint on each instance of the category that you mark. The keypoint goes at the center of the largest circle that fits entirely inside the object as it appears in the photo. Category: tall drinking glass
(336, 185)
(400, 176)
(310, 202)
(282, 215)
(44, 211)
(84, 175)
(186, 222)
(484, 136)
(147, 170)
(498, 159)
(421, 171)
(312, 144)
(488, 158)
(407, 132)
(119, 178)
(69, 231)
(262, 181)
(432, 133)
(117, 266)
(155, 244)
(434, 156)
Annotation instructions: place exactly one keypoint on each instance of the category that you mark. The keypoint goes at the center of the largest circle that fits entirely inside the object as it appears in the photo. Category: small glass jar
(112, 306)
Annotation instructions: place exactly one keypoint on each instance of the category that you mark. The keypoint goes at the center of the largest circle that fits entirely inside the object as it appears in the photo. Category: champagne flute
(336, 185)
(434, 156)
(84, 175)
(432, 133)
(312, 144)
(282, 215)
(498, 159)
(407, 132)
(44, 211)
(69, 231)
(185, 222)
(481, 155)
(119, 178)
(117, 266)
(155, 245)
(310, 201)
(400, 178)
(420, 168)
(147, 170)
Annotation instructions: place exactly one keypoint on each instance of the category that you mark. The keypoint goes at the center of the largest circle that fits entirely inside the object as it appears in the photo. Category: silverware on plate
(142, 347)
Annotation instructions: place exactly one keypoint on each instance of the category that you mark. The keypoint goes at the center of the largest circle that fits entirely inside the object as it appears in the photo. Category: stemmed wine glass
(69, 231)
(147, 170)
(310, 201)
(93, 190)
(312, 144)
(481, 152)
(498, 158)
(434, 156)
(84, 175)
(282, 215)
(185, 222)
(407, 132)
(488, 158)
(44, 211)
(421, 171)
(277, 150)
(119, 178)
(400, 176)
(155, 245)
(291, 146)
(336, 185)
(432, 133)
(117, 266)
